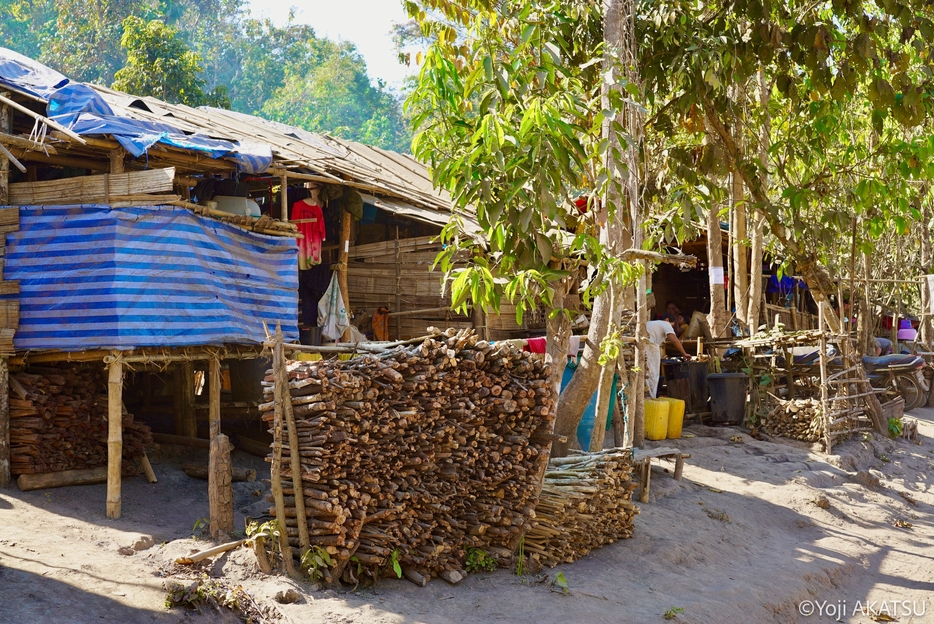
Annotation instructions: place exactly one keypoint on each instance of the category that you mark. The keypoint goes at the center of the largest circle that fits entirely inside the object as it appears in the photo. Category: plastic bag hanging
(332, 313)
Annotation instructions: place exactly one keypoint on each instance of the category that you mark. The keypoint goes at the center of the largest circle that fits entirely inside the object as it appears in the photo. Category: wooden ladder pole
(114, 436)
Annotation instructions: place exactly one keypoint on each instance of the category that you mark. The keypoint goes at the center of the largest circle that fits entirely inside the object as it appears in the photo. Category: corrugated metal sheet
(99, 277)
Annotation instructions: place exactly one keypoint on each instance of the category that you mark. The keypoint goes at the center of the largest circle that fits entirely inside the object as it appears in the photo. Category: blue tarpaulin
(96, 277)
(585, 427)
(81, 109)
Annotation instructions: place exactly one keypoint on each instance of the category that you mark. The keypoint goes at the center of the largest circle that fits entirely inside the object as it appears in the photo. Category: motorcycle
(898, 375)
(892, 376)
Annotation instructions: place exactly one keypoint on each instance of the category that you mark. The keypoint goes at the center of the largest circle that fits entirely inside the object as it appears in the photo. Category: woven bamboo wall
(378, 271)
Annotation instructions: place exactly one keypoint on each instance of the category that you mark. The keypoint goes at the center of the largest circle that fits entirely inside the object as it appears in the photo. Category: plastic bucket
(656, 419)
(675, 417)
(727, 398)
(697, 376)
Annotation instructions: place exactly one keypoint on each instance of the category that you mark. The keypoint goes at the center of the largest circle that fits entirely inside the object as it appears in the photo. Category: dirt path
(741, 539)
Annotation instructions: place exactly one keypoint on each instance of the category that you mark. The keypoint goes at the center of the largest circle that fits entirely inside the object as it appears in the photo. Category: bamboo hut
(113, 257)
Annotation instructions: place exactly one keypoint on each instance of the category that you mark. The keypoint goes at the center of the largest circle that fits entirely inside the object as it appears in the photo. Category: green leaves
(160, 64)
(507, 115)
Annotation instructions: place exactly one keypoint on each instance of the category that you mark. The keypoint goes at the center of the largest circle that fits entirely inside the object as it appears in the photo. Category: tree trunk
(754, 313)
(577, 394)
(605, 382)
(615, 233)
(807, 263)
(717, 319)
(557, 337)
(637, 395)
(740, 263)
(926, 330)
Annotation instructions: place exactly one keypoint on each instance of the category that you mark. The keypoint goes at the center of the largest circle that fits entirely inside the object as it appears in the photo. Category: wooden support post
(5, 477)
(646, 479)
(189, 422)
(343, 259)
(116, 160)
(284, 197)
(278, 363)
(214, 396)
(679, 466)
(220, 469)
(177, 406)
(220, 487)
(114, 437)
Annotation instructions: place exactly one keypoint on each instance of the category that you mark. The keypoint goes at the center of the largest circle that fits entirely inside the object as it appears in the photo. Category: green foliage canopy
(509, 112)
(160, 64)
(209, 52)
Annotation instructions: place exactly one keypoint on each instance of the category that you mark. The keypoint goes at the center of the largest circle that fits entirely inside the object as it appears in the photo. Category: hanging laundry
(332, 314)
(309, 219)
(535, 345)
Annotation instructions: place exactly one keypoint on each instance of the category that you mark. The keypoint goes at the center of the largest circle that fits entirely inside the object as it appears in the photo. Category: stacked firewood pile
(417, 454)
(58, 421)
(586, 503)
(799, 419)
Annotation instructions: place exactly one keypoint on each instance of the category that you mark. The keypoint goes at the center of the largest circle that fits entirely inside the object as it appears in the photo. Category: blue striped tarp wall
(117, 278)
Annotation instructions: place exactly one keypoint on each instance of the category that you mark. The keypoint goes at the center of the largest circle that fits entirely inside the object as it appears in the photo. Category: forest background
(211, 52)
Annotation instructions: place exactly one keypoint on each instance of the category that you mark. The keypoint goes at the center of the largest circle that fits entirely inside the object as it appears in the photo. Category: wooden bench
(643, 459)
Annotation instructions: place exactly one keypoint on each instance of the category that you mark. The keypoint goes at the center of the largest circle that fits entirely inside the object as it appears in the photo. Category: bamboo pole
(114, 438)
(147, 468)
(342, 261)
(285, 401)
(17, 141)
(5, 98)
(210, 552)
(11, 159)
(284, 197)
(6, 119)
(181, 440)
(278, 363)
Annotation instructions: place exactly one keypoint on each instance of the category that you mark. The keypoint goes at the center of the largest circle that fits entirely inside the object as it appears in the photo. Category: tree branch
(682, 260)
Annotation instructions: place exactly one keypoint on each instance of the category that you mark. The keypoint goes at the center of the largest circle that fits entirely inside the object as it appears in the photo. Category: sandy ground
(741, 539)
